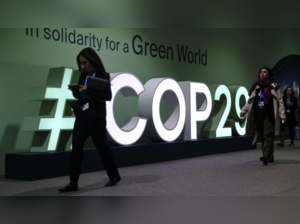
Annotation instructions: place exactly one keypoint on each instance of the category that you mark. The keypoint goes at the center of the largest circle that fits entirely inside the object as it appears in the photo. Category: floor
(229, 174)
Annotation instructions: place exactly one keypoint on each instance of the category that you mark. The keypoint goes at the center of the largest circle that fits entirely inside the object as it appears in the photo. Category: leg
(268, 148)
(80, 135)
(260, 126)
(260, 131)
(292, 134)
(97, 129)
(282, 134)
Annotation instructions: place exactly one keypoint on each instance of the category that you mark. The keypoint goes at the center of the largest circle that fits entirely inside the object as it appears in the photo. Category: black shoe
(264, 160)
(113, 182)
(68, 188)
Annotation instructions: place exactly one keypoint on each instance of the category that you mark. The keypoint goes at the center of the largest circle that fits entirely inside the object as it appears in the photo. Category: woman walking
(265, 111)
(90, 112)
(290, 104)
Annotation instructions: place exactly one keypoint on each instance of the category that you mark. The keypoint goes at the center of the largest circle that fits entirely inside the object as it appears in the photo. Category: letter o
(149, 107)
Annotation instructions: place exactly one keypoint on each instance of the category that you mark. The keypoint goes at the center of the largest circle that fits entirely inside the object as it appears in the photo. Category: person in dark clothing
(265, 111)
(90, 112)
(290, 104)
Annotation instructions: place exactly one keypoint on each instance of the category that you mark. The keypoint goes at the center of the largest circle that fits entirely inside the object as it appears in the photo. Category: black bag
(97, 83)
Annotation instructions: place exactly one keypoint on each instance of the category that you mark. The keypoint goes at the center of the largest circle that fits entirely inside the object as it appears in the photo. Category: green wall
(233, 58)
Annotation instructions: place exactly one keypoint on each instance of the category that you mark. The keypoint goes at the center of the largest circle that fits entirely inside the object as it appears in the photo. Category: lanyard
(87, 78)
(260, 95)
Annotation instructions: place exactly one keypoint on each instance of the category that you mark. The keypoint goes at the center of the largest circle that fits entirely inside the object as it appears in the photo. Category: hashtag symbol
(60, 78)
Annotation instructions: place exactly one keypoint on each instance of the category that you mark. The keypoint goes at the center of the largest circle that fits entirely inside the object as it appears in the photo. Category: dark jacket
(291, 117)
(95, 97)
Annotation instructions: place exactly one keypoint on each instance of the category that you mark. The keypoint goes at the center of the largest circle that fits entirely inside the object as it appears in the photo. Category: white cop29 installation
(181, 103)
(215, 107)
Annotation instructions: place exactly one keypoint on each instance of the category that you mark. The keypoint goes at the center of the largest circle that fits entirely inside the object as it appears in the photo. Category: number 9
(237, 92)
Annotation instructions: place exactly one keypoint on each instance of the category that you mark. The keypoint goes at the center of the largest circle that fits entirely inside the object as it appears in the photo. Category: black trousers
(95, 127)
(265, 126)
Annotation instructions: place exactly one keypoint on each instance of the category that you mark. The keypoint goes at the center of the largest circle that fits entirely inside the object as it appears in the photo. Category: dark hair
(270, 72)
(92, 57)
(292, 95)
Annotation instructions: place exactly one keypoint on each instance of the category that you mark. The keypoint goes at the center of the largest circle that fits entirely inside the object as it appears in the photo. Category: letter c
(128, 85)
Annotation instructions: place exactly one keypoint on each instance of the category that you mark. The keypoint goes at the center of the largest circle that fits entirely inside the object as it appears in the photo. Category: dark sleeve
(76, 93)
(99, 95)
(295, 103)
(284, 102)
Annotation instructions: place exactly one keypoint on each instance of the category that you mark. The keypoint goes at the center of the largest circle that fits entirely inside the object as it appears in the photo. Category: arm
(76, 93)
(281, 107)
(249, 104)
(295, 104)
(246, 108)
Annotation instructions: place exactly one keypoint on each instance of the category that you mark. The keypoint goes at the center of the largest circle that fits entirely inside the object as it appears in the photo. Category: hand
(290, 103)
(242, 114)
(83, 88)
(70, 88)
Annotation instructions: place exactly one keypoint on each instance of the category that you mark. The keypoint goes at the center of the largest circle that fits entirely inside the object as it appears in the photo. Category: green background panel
(234, 57)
